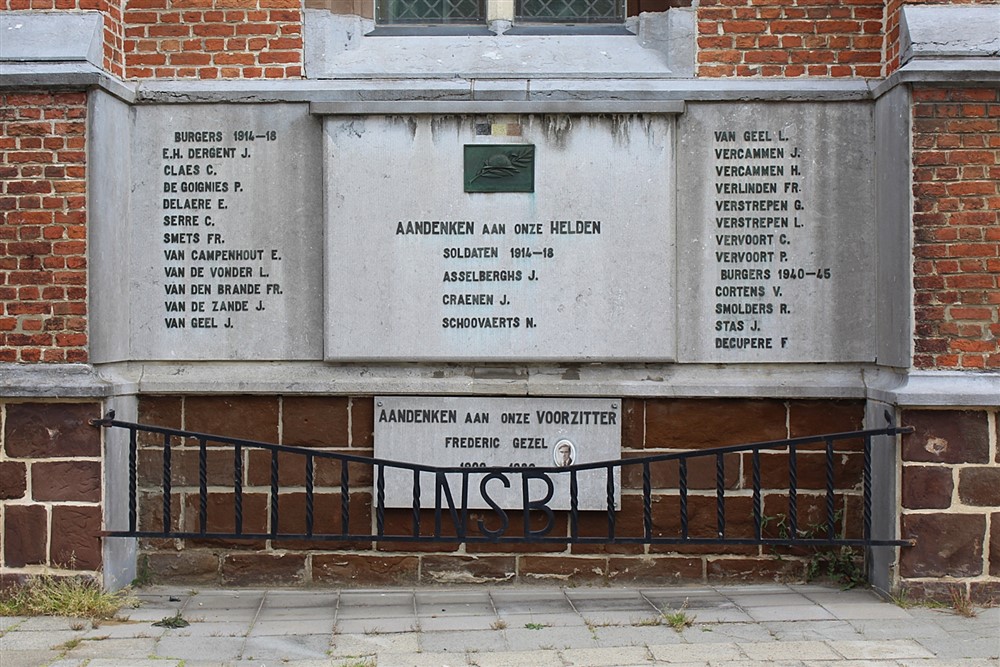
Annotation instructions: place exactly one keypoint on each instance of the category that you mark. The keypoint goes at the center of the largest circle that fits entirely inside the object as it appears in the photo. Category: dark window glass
(571, 11)
(431, 11)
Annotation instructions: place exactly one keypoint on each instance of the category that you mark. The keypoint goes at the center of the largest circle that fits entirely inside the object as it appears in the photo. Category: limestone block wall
(950, 502)
(43, 235)
(342, 424)
(956, 223)
(51, 472)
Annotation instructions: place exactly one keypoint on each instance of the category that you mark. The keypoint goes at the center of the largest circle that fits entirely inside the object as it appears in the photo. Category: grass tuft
(79, 597)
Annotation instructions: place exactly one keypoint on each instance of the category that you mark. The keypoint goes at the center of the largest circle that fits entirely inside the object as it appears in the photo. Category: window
(430, 11)
(570, 11)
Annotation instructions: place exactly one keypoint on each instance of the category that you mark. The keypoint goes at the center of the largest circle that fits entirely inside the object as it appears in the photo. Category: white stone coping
(952, 31)
(792, 381)
(498, 107)
(52, 36)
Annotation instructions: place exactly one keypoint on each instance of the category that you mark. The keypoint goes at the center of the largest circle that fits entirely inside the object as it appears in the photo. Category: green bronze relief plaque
(499, 168)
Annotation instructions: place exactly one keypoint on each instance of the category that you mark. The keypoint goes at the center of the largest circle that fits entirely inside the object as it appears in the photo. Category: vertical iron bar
(380, 500)
(793, 491)
(758, 514)
(133, 479)
(274, 492)
(683, 474)
(238, 486)
(202, 486)
(574, 505)
(166, 484)
(416, 503)
(647, 502)
(310, 482)
(611, 503)
(831, 529)
(345, 499)
(867, 484)
(720, 495)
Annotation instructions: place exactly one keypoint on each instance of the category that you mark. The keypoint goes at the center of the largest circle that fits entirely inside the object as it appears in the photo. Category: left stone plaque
(225, 233)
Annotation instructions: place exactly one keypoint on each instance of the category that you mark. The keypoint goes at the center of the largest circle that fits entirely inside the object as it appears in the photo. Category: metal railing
(450, 518)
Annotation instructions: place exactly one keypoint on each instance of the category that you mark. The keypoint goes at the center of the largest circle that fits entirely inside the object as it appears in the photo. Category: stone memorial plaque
(776, 233)
(580, 269)
(226, 218)
(499, 432)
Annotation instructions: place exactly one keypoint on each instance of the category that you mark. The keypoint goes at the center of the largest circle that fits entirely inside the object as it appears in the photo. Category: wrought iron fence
(451, 518)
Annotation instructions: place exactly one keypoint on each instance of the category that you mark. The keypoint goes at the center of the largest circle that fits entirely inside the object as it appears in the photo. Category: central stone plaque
(499, 432)
(419, 269)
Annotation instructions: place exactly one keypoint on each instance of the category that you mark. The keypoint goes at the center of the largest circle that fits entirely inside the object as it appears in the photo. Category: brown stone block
(927, 487)
(810, 470)
(162, 411)
(629, 522)
(948, 545)
(979, 486)
(292, 470)
(185, 467)
(928, 591)
(820, 417)
(362, 422)
(150, 511)
(985, 593)
(704, 423)
(26, 531)
(811, 516)
(39, 430)
(9, 580)
(455, 569)
(399, 522)
(946, 436)
(263, 569)
(76, 539)
(703, 523)
(66, 480)
(364, 570)
(326, 520)
(315, 421)
(995, 544)
(664, 571)
(190, 566)
(537, 521)
(13, 480)
(701, 472)
(221, 516)
(765, 568)
(244, 417)
(563, 569)
(633, 423)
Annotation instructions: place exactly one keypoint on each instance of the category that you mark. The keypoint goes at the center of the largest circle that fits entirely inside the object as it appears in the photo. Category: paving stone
(283, 649)
(264, 628)
(37, 640)
(201, 629)
(811, 630)
(460, 642)
(377, 626)
(631, 635)
(447, 622)
(345, 645)
(882, 611)
(30, 657)
(137, 662)
(790, 613)
(50, 623)
(874, 629)
(603, 657)
(600, 618)
(729, 632)
(422, 660)
(182, 648)
(548, 620)
(124, 631)
(880, 650)
(788, 650)
(556, 637)
(519, 659)
(958, 647)
(751, 601)
(694, 653)
(127, 649)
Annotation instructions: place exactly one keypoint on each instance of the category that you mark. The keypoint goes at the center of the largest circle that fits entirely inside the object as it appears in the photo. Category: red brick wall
(956, 220)
(43, 246)
(213, 39)
(951, 474)
(50, 487)
(345, 425)
(745, 38)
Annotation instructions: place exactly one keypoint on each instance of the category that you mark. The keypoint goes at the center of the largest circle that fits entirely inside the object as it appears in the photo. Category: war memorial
(519, 235)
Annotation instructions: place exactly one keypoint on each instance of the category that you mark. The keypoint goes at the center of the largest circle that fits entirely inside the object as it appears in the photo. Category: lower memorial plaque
(542, 433)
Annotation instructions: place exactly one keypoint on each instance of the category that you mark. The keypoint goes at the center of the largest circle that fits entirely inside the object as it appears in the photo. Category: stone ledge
(52, 381)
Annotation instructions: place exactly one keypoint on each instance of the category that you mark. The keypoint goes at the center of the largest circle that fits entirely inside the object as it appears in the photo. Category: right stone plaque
(776, 233)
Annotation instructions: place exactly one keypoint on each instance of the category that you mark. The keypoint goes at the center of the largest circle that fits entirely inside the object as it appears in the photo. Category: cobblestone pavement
(735, 626)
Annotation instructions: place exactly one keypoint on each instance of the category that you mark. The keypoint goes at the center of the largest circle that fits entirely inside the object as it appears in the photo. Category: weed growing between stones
(78, 597)
(678, 619)
(843, 565)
